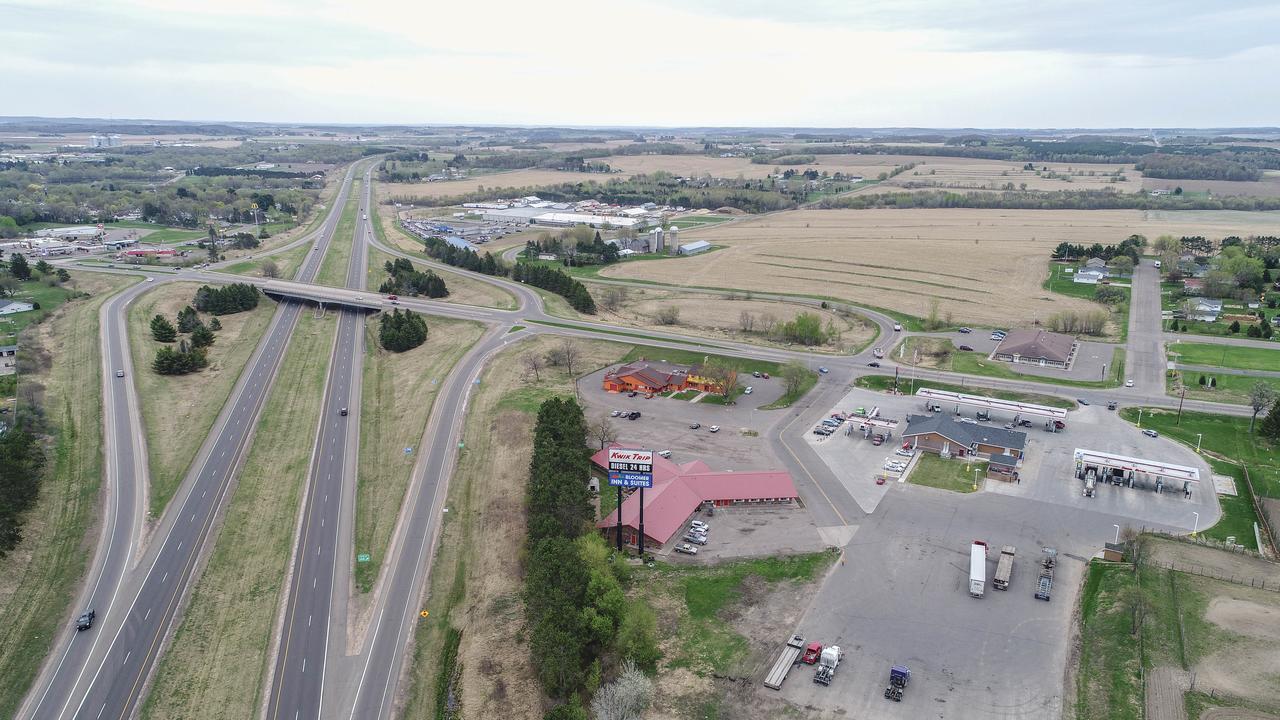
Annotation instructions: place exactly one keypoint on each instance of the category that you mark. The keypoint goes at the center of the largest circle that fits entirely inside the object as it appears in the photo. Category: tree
(1108, 295)
(1234, 327)
(215, 324)
(162, 330)
(746, 321)
(43, 267)
(564, 355)
(571, 710)
(188, 320)
(603, 431)
(1261, 396)
(62, 275)
(201, 337)
(626, 698)
(669, 315)
(794, 375)
(1122, 264)
(401, 331)
(637, 639)
(270, 269)
(723, 373)
(18, 267)
(1270, 426)
(22, 462)
(805, 329)
(532, 363)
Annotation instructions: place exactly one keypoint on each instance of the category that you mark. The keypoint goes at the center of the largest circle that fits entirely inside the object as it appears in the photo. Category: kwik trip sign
(630, 468)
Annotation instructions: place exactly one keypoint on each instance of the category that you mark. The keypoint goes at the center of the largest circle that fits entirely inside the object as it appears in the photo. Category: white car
(687, 549)
(1128, 383)
(615, 413)
(665, 453)
(748, 391)
(714, 428)
(969, 421)
(904, 452)
(699, 525)
(897, 327)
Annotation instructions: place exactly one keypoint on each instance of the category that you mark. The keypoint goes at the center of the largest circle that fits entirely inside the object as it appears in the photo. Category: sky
(815, 63)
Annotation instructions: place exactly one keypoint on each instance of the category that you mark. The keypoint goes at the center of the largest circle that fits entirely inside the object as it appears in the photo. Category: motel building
(681, 490)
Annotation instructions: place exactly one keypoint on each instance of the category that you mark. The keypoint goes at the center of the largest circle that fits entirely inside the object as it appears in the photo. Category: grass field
(173, 235)
(399, 392)
(884, 382)
(473, 558)
(1228, 356)
(902, 260)
(1227, 388)
(39, 578)
(179, 410)
(287, 262)
(1222, 435)
(217, 663)
(333, 269)
(954, 475)
(34, 291)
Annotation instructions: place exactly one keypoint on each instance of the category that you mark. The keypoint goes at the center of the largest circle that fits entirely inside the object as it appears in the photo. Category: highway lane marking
(104, 707)
(166, 577)
(126, 655)
(144, 617)
(193, 515)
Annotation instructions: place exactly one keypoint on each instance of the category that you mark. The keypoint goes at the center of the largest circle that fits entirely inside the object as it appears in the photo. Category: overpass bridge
(325, 295)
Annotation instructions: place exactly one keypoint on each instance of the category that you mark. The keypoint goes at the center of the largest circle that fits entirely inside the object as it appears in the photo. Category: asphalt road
(319, 569)
(107, 677)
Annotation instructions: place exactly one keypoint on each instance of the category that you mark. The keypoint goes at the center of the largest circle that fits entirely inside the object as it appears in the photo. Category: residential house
(10, 307)
(1205, 310)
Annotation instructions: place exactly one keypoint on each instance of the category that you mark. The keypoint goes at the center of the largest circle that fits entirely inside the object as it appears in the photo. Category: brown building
(652, 376)
(946, 436)
(1037, 347)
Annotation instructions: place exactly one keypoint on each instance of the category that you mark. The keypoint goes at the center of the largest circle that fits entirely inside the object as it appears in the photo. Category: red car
(811, 653)
(392, 297)
(877, 439)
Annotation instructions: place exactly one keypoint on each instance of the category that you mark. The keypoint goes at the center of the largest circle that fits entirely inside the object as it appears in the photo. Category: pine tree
(162, 330)
(1270, 426)
(18, 267)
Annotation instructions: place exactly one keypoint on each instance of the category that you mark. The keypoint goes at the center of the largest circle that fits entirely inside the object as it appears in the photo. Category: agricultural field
(714, 316)
(1268, 186)
(982, 266)
(427, 192)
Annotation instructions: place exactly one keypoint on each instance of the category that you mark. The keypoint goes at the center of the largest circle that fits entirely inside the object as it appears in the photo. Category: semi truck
(1004, 569)
(827, 662)
(977, 568)
(1044, 584)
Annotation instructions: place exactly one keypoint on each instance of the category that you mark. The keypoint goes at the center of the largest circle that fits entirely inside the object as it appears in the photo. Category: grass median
(333, 269)
(179, 410)
(286, 263)
(39, 578)
(217, 663)
(399, 392)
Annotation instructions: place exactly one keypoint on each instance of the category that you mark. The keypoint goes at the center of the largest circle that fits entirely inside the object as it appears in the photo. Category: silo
(673, 238)
(655, 240)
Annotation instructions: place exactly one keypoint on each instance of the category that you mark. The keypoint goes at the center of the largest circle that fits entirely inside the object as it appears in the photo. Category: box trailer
(782, 666)
(977, 568)
(1004, 569)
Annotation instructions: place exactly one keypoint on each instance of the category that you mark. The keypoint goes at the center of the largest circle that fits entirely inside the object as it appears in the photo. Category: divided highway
(103, 674)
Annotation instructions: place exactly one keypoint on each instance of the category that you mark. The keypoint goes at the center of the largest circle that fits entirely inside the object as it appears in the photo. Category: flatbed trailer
(1044, 585)
(786, 660)
(1004, 569)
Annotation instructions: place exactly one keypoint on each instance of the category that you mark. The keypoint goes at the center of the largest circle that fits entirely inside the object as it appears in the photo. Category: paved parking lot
(1088, 365)
(664, 424)
(756, 531)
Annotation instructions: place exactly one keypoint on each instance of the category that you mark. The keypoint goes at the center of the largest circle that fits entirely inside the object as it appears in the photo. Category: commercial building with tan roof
(1037, 347)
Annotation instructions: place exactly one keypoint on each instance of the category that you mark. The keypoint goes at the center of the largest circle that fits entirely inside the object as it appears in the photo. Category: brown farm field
(983, 266)
(1268, 186)
(430, 192)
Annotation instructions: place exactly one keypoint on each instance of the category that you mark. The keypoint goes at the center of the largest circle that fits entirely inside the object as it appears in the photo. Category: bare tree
(626, 698)
(1260, 398)
(611, 299)
(746, 321)
(570, 353)
(270, 269)
(669, 315)
(724, 374)
(794, 374)
(533, 363)
(603, 430)
(767, 323)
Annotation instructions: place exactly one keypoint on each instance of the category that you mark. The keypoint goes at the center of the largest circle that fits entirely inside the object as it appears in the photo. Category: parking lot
(755, 531)
(664, 423)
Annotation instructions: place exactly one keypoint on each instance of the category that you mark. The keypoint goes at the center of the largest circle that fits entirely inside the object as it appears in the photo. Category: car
(633, 393)
(150, 279)
(1111, 405)
(823, 370)
(699, 524)
(764, 375)
(904, 452)
(343, 412)
(119, 373)
(633, 415)
(687, 549)
(969, 421)
(877, 439)
(873, 363)
(755, 374)
(615, 413)
(1082, 401)
(664, 453)
(894, 467)
(85, 621)
(1151, 433)
(822, 430)
(897, 327)
(748, 391)
(392, 298)
(1128, 383)
(859, 411)
(1059, 425)
(966, 330)
(694, 426)
(714, 428)
(695, 539)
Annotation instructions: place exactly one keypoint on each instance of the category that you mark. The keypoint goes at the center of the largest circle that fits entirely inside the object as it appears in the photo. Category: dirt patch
(715, 316)
(1236, 714)
(1164, 689)
(1244, 617)
(905, 259)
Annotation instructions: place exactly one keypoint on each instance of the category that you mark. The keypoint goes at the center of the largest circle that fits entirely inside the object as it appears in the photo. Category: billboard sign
(630, 468)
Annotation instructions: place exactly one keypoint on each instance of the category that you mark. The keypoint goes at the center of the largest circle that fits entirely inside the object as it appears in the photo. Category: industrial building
(1037, 347)
(694, 247)
(679, 491)
(82, 232)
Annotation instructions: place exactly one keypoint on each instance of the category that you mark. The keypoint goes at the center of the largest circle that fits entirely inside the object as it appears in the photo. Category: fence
(1267, 542)
(1252, 582)
(1205, 542)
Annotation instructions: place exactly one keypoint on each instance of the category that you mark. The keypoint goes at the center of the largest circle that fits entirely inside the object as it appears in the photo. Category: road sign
(408, 451)
(362, 557)
(630, 468)
(424, 613)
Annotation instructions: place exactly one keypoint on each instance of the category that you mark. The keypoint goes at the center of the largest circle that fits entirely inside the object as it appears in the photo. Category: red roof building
(679, 490)
(651, 376)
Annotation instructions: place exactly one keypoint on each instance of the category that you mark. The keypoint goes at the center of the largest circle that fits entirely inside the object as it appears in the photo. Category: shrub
(401, 331)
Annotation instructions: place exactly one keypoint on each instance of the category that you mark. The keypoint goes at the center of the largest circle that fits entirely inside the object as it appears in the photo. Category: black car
(635, 415)
(633, 393)
(966, 348)
(85, 621)
(1082, 401)
(966, 330)
(343, 412)
(694, 426)
(873, 363)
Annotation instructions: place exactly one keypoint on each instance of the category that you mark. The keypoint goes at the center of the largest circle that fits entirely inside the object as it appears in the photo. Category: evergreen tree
(201, 337)
(162, 330)
(1270, 426)
(1234, 327)
(188, 320)
(18, 267)
(401, 330)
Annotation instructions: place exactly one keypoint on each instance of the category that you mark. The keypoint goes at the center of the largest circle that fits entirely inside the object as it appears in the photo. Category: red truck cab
(812, 652)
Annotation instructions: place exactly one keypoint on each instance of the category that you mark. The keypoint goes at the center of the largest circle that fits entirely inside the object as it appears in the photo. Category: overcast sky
(821, 63)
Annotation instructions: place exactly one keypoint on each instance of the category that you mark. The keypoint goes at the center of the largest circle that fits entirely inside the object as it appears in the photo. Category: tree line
(1055, 200)
(191, 353)
(228, 299)
(577, 613)
(464, 258)
(405, 279)
(1130, 247)
(22, 462)
(401, 330)
(558, 282)
(1188, 167)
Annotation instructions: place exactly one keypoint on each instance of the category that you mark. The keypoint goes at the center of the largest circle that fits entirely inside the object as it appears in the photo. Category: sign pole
(640, 540)
(618, 532)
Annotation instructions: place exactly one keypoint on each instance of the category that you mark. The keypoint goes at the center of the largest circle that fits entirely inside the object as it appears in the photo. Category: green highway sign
(362, 557)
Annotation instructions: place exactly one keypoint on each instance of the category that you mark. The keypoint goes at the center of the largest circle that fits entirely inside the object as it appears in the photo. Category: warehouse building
(679, 491)
(695, 247)
(1037, 347)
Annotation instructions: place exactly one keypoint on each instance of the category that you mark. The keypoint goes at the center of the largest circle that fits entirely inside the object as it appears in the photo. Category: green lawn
(1223, 435)
(694, 221)
(35, 292)
(1109, 680)
(1238, 514)
(333, 270)
(1228, 356)
(1062, 284)
(173, 235)
(955, 475)
(287, 262)
(1227, 388)
(884, 382)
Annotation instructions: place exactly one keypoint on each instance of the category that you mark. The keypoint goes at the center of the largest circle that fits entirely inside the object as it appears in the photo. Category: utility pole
(1181, 396)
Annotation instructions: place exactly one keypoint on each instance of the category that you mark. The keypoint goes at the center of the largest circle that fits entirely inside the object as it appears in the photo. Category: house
(1204, 309)
(1089, 276)
(1095, 264)
(1037, 347)
(11, 307)
(680, 490)
(1193, 286)
(947, 436)
(650, 376)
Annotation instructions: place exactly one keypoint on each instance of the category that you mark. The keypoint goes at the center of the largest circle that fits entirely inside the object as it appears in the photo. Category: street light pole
(1117, 527)
(1196, 526)
(1198, 438)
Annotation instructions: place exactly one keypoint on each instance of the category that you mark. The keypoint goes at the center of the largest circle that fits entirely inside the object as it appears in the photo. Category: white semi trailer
(978, 568)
